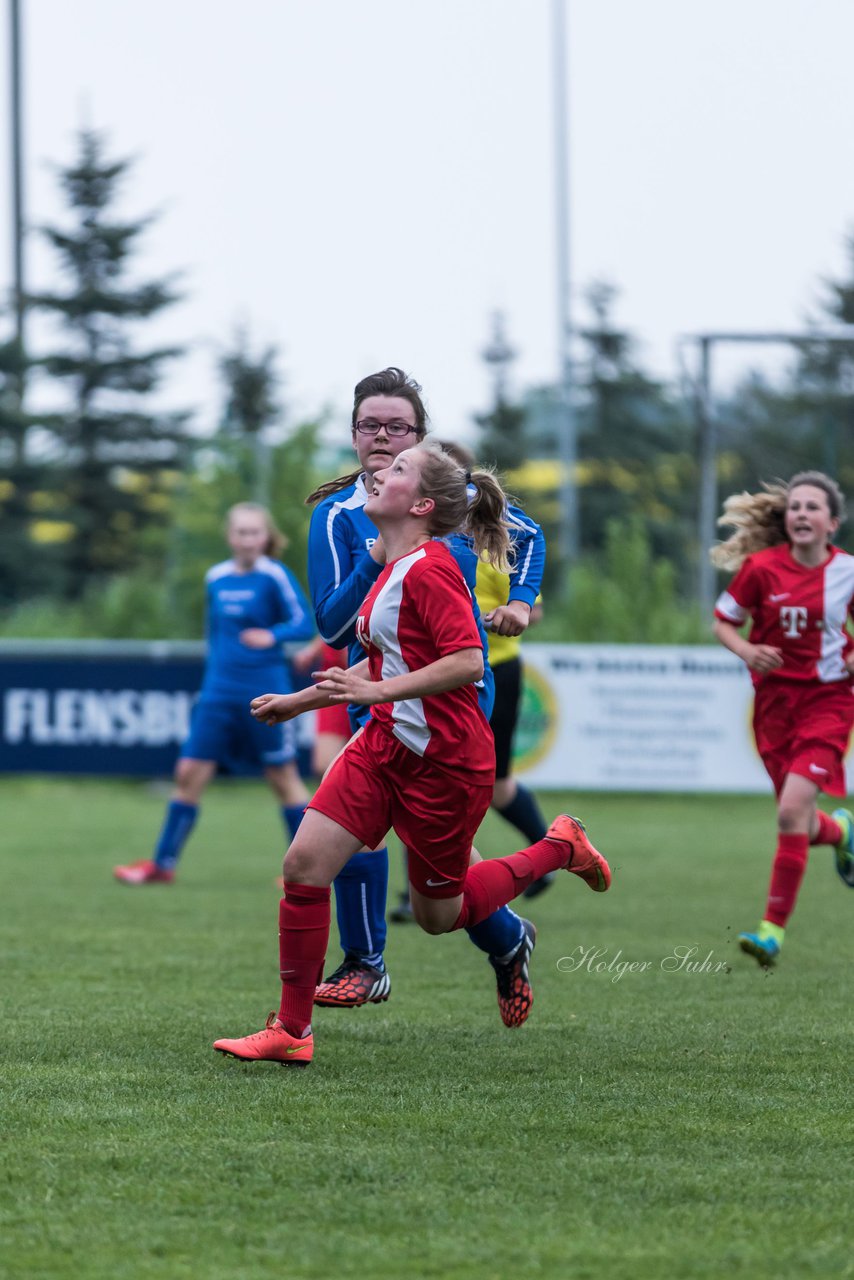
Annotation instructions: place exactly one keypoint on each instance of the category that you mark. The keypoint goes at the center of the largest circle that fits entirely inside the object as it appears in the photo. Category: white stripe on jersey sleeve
(220, 570)
(275, 571)
(357, 499)
(410, 722)
(730, 608)
(838, 590)
(522, 573)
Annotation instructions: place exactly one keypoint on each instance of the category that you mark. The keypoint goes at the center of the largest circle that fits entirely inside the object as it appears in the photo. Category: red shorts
(377, 785)
(334, 720)
(804, 729)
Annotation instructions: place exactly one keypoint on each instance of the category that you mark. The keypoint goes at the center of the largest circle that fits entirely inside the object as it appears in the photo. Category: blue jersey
(341, 572)
(266, 596)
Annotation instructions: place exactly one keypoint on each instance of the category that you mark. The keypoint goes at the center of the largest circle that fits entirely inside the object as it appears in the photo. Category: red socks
(304, 919)
(496, 881)
(829, 832)
(790, 863)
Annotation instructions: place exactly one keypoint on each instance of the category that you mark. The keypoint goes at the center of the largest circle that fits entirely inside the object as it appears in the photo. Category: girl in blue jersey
(346, 556)
(254, 605)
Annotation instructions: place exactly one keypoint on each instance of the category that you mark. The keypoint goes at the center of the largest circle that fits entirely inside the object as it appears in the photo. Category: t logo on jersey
(361, 631)
(793, 620)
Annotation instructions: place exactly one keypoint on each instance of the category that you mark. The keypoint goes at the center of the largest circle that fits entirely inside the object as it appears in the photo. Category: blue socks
(361, 887)
(292, 816)
(524, 814)
(498, 934)
(177, 825)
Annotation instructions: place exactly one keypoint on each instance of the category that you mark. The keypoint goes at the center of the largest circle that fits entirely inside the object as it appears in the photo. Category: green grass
(662, 1124)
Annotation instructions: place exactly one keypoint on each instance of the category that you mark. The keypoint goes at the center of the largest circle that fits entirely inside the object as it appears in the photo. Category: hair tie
(468, 477)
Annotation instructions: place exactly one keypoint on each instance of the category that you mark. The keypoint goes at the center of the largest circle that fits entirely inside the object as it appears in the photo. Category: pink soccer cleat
(143, 872)
(273, 1044)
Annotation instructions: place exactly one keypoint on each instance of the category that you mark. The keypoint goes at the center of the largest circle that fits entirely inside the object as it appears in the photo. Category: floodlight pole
(568, 537)
(708, 433)
(17, 192)
(708, 453)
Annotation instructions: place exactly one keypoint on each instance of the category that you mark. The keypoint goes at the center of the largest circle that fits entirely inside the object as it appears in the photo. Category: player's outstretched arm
(276, 708)
(465, 666)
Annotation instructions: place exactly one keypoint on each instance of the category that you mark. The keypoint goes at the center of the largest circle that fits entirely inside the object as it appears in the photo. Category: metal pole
(708, 431)
(708, 504)
(17, 193)
(567, 442)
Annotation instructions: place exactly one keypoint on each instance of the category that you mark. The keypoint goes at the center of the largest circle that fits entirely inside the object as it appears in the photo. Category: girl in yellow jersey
(510, 798)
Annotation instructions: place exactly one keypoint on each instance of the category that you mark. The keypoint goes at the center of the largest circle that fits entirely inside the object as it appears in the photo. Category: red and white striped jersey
(420, 610)
(801, 611)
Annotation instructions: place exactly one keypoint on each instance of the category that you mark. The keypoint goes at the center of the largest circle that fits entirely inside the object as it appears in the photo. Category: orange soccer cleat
(584, 860)
(273, 1044)
(143, 872)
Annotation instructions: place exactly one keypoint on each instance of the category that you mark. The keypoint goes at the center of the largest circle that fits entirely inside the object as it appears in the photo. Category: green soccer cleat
(844, 851)
(765, 950)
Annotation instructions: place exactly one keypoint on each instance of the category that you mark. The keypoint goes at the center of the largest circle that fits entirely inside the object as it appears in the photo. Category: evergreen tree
(251, 409)
(511, 440)
(29, 494)
(117, 456)
(635, 448)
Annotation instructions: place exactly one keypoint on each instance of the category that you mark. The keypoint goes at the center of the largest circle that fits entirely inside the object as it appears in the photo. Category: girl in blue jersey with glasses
(254, 604)
(346, 556)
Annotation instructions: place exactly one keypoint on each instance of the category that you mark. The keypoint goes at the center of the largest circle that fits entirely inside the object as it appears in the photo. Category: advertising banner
(95, 714)
(594, 717)
(637, 718)
(99, 707)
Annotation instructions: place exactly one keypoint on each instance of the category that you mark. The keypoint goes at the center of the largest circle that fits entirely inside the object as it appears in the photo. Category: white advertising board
(637, 718)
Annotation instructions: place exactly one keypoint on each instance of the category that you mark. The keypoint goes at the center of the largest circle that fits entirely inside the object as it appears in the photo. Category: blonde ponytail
(482, 517)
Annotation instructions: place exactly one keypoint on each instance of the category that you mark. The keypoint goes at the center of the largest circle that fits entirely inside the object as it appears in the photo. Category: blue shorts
(223, 730)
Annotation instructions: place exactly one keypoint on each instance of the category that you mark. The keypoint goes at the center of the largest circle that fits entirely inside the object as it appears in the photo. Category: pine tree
(252, 408)
(634, 441)
(117, 456)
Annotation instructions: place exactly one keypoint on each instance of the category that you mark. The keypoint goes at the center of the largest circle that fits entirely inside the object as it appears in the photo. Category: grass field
(664, 1122)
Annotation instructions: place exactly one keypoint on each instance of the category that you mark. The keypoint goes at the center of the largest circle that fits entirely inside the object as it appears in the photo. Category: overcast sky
(365, 183)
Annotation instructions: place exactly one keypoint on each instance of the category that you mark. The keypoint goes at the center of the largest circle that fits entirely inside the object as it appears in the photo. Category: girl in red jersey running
(424, 764)
(798, 591)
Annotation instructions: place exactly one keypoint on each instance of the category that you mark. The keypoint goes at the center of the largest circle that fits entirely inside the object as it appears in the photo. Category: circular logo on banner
(537, 723)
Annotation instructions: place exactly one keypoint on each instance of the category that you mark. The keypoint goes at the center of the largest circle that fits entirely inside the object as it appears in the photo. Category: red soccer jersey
(799, 610)
(420, 610)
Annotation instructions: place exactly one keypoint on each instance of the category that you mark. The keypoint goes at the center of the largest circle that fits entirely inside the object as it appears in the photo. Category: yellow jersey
(492, 588)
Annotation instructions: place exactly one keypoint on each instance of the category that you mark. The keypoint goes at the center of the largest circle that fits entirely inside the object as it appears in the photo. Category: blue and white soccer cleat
(844, 851)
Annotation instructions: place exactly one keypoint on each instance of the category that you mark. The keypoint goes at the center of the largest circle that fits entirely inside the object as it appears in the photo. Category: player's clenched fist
(274, 708)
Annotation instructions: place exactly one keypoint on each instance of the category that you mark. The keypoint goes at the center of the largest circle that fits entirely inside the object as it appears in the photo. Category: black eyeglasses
(370, 427)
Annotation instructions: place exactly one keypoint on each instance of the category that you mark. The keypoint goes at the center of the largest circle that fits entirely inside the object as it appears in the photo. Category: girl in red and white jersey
(798, 591)
(424, 764)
